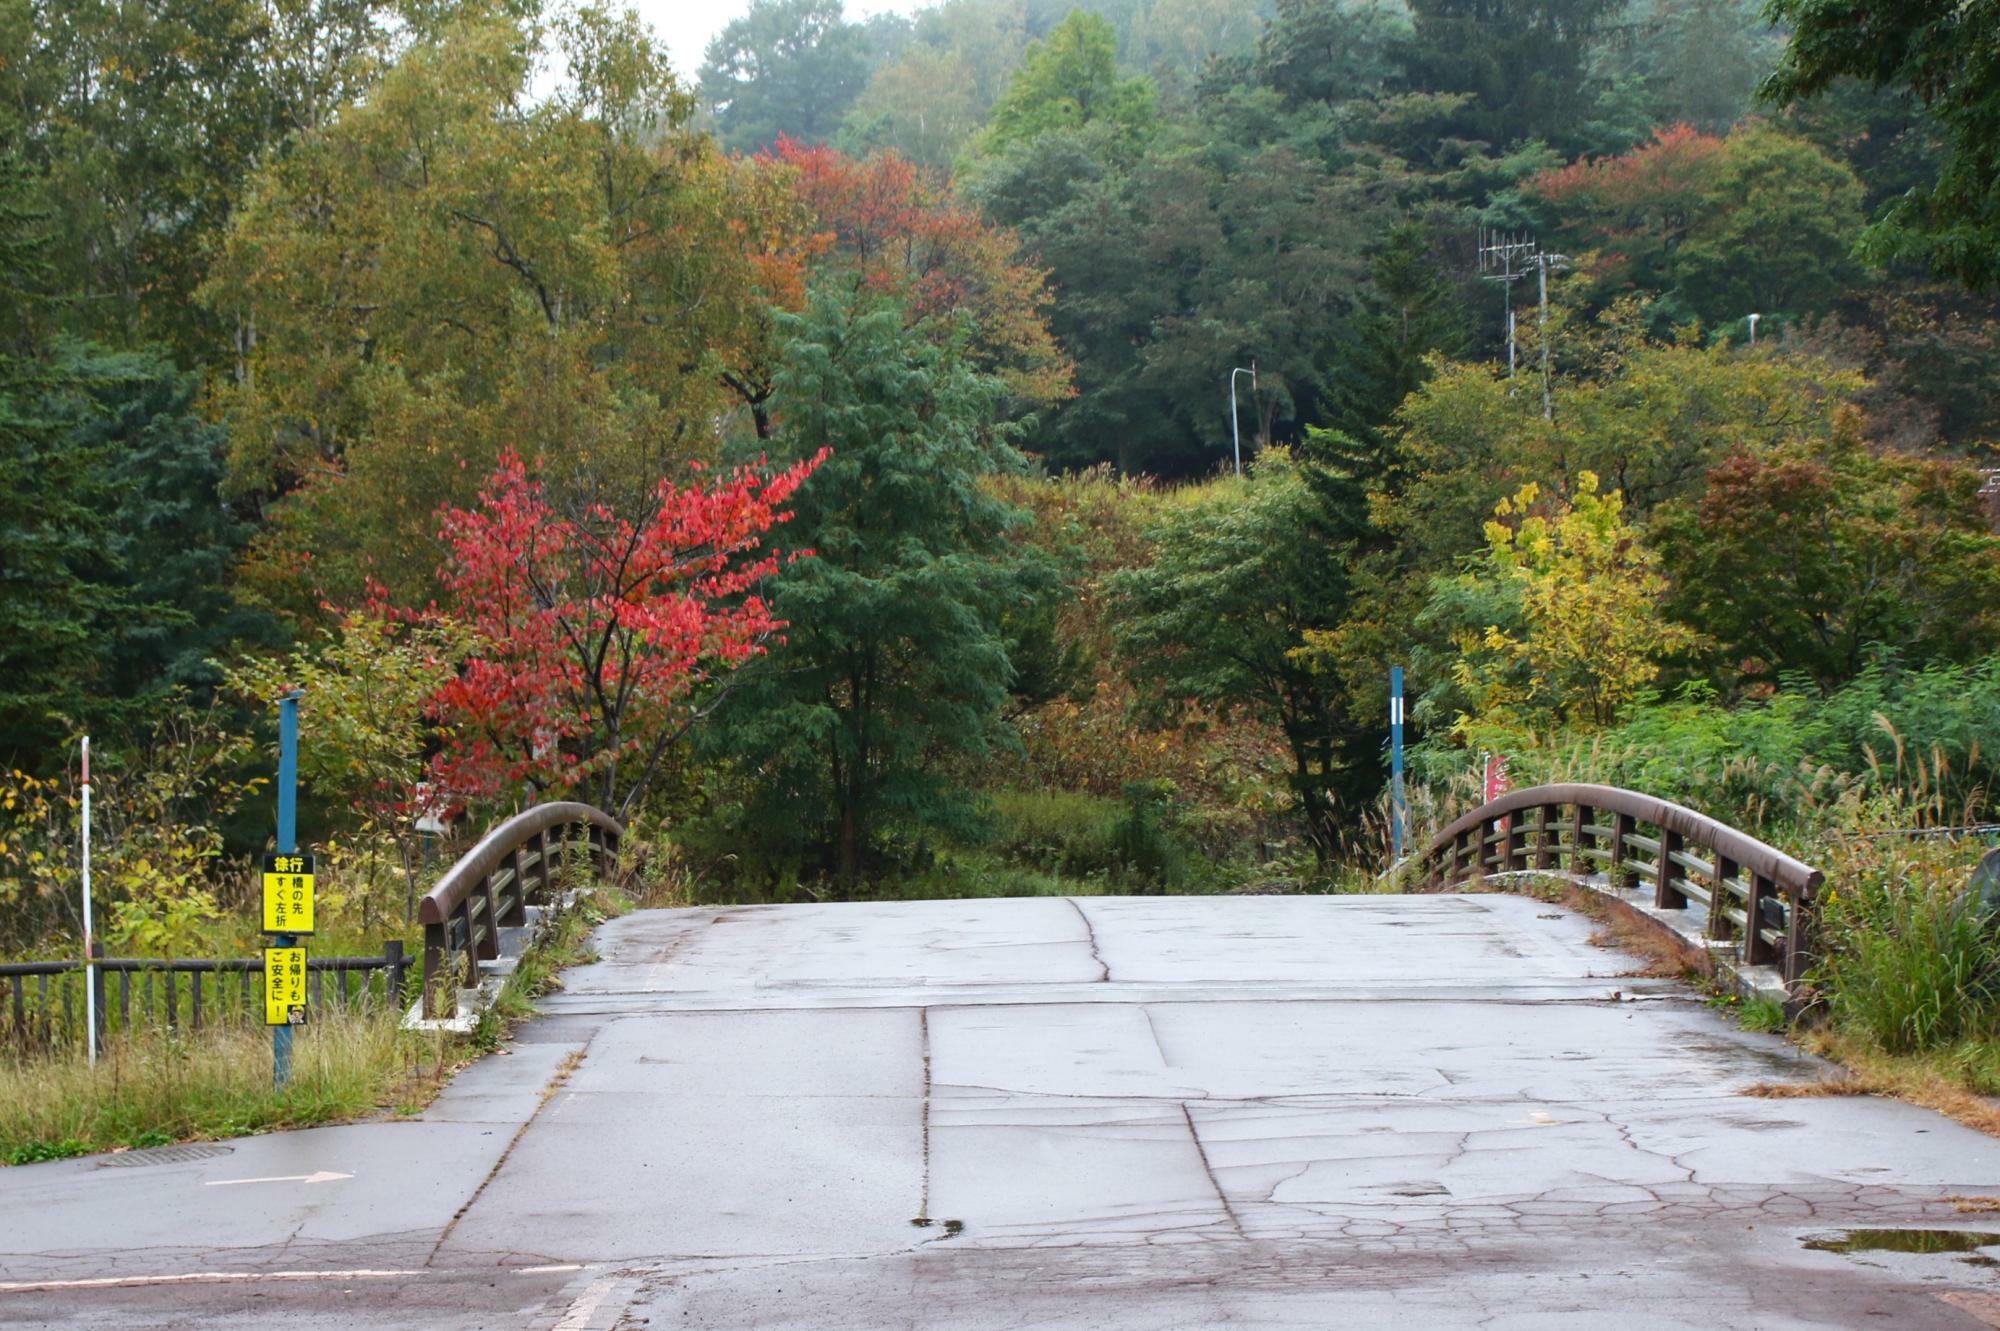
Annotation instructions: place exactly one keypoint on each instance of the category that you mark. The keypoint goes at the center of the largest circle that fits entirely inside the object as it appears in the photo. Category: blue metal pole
(288, 842)
(1398, 811)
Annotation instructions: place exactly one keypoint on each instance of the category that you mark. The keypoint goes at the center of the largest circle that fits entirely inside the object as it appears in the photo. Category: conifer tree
(896, 659)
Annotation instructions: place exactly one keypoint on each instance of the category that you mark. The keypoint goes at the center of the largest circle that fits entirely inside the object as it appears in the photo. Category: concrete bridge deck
(1440, 1111)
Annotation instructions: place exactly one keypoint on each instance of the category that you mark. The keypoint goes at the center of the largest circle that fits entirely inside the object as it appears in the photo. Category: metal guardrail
(489, 888)
(1751, 892)
(42, 1003)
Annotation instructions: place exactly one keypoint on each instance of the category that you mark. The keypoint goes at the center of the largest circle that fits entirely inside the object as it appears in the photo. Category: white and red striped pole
(89, 933)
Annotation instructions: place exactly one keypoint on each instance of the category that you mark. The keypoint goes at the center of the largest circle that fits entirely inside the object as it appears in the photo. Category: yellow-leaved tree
(1583, 592)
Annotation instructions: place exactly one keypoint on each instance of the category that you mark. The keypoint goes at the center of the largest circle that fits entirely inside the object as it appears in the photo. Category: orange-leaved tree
(898, 230)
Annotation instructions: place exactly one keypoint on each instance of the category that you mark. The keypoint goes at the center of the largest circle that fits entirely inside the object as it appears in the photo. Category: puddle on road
(1903, 1240)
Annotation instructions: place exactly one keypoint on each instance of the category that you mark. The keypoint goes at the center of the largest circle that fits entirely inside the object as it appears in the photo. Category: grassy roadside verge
(1881, 968)
(566, 943)
(157, 1087)
(1942, 1080)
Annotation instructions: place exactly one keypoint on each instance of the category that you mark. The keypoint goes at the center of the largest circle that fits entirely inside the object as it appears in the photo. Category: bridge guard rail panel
(1749, 892)
(492, 885)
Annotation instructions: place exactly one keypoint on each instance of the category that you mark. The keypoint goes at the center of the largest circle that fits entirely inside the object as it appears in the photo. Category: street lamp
(1753, 328)
(1235, 433)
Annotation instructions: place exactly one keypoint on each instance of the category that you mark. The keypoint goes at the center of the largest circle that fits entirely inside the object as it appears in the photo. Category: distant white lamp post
(1753, 328)
(1235, 433)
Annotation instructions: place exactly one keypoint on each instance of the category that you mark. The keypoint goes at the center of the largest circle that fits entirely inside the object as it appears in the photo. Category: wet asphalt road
(1441, 1111)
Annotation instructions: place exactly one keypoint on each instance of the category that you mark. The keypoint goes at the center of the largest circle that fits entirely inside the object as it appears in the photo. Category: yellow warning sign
(284, 986)
(288, 894)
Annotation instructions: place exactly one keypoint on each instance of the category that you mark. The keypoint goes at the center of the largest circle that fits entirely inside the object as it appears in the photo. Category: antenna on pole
(1506, 257)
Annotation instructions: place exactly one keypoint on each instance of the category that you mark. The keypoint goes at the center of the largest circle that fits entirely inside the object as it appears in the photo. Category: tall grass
(157, 1086)
(1910, 959)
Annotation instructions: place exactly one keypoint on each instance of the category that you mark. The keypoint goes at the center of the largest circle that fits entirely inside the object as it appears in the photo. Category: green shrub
(1910, 958)
(1145, 842)
(1058, 831)
(1137, 843)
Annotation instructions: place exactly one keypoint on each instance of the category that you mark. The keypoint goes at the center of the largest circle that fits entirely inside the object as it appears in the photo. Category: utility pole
(1235, 434)
(1543, 262)
(1505, 257)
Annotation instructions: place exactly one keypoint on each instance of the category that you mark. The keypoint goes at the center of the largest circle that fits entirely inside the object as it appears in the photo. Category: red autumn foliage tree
(903, 233)
(593, 632)
(1636, 208)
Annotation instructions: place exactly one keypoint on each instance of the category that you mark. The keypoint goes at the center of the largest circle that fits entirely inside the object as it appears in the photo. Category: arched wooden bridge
(1729, 886)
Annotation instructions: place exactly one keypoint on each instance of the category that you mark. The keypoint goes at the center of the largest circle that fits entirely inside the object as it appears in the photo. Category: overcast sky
(687, 25)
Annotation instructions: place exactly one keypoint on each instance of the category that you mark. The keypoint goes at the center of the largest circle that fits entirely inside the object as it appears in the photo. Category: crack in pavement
(562, 1074)
(1090, 936)
(1235, 1221)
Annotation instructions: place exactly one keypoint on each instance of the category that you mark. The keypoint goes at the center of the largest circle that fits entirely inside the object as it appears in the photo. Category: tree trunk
(850, 847)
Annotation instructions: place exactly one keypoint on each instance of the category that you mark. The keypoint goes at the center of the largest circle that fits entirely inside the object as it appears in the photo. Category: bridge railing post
(515, 912)
(1756, 950)
(1665, 895)
(1621, 832)
(489, 939)
(1719, 898)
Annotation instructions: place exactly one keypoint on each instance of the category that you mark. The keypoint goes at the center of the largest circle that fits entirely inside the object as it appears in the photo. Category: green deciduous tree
(924, 107)
(1068, 80)
(1941, 55)
(368, 687)
(450, 268)
(787, 67)
(1584, 594)
(1329, 51)
(1175, 266)
(1223, 618)
(1813, 555)
(1648, 417)
(1775, 231)
(1760, 221)
(148, 119)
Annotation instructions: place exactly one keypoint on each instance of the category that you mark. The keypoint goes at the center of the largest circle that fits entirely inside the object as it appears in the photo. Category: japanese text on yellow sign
(284, 986)
(288, 894)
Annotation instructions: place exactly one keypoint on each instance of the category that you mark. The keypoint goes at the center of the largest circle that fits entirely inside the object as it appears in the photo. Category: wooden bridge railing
(490, 887)
(1750, 892)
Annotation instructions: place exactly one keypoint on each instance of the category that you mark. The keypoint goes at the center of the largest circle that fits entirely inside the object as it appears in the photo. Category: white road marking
(239, 1277)
(199, 1278)
(323, 1176)
(580, 1312)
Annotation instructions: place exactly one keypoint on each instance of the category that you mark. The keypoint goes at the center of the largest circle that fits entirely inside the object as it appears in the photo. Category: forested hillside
(827, 461)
